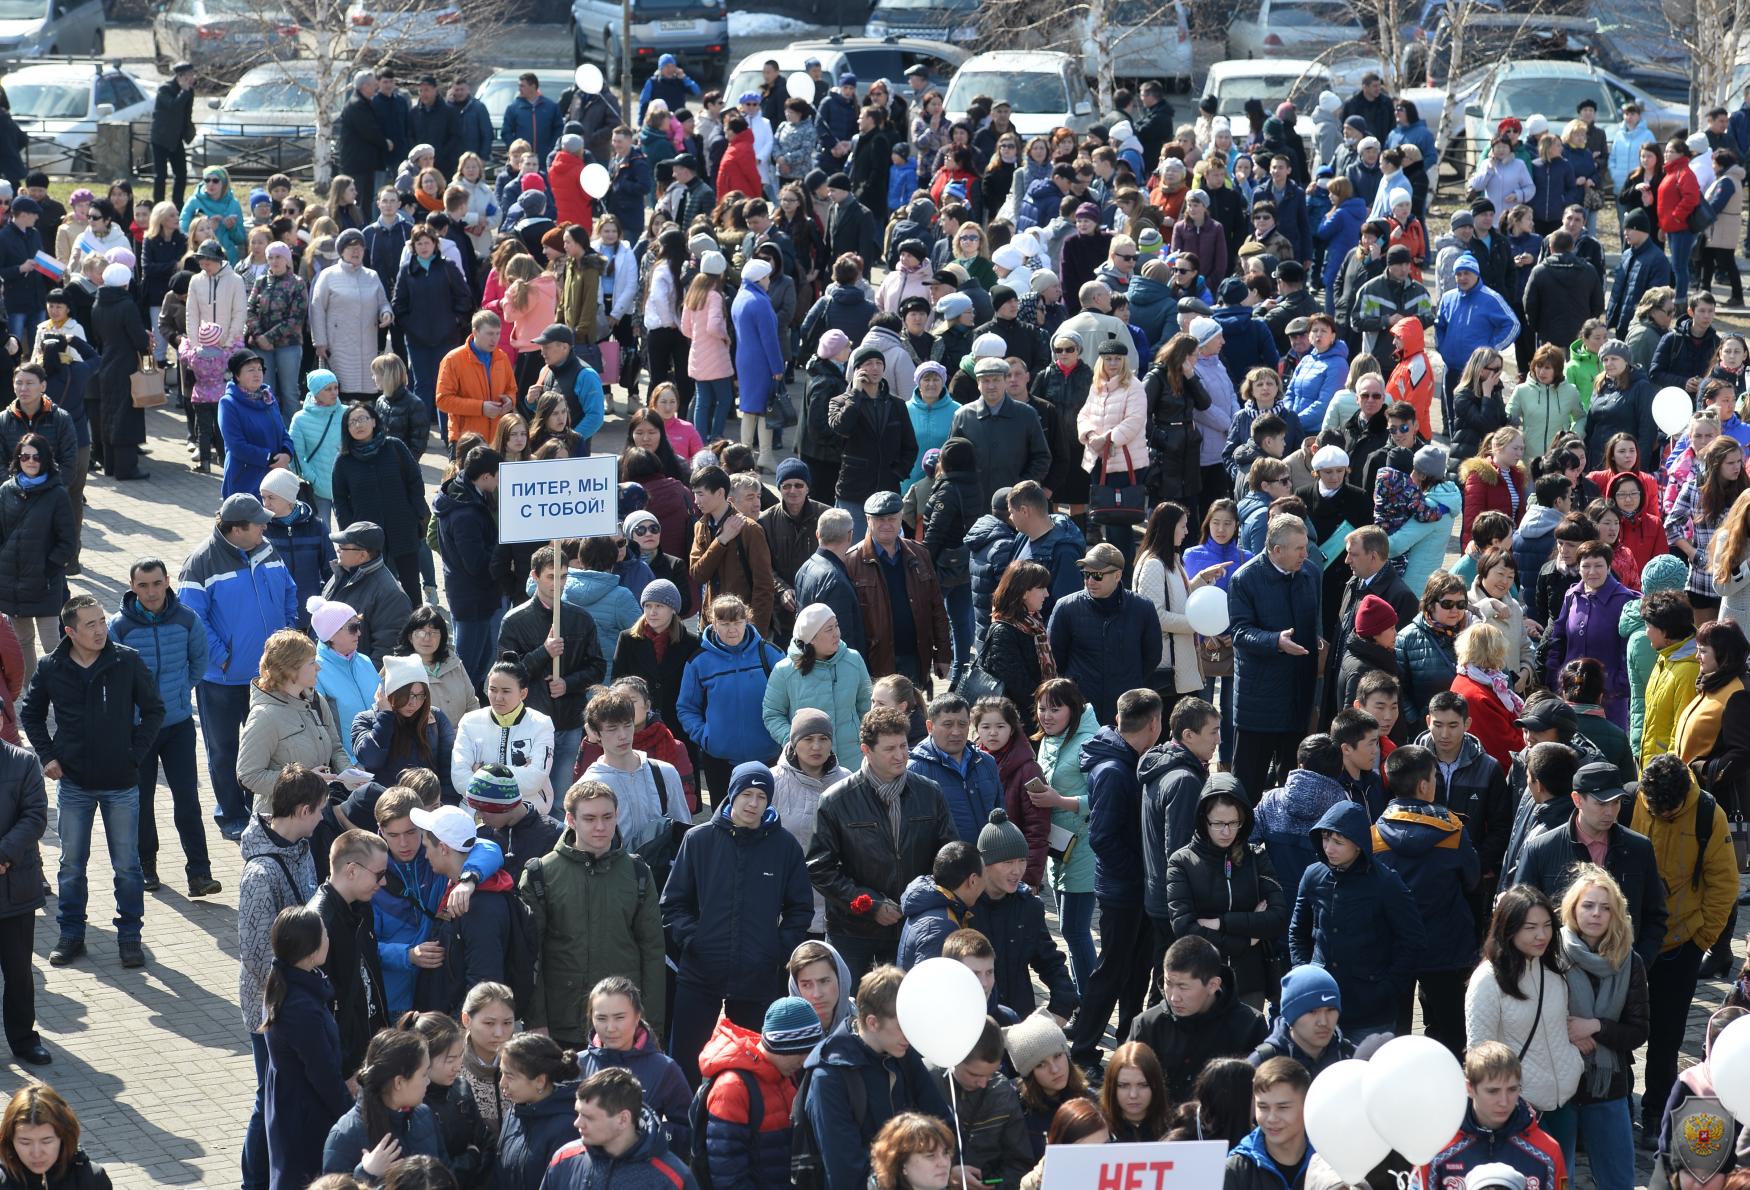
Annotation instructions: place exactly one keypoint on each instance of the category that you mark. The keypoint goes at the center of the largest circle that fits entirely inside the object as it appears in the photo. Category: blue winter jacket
(1246, 342)
(1106, 646)
(1415, 133)
(1466, 321)
(613, 608)
(302, 543)
(1427, 661)
(972, 789)
(722, 692)
(350, 686)
(539, 123)
(254, 432)
(1315, 382)
(902, 179)
(242, 599)
(1360, 924)
(1291, 216)
(1253, 1154)
(1058, 551)
(647, 1165)
(993, 542)
(372, 734)
(1153, 307)
(737, 903)
(401, 924)
(418, 1134)
(1427, 846)
(665, 1088)
(1339, 231)
(1114, 816)
(532, 1135)
(758, 354)
(467, 536)
(890, 1086)
(929, 425)
(315, 433)
(1272, 688)
(173, 645)
(1554, 189)
(931, 914)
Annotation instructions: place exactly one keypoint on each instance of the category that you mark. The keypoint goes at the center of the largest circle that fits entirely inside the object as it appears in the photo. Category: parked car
(1298, 28)
(406, 31)
(1554, 90)
(944, 20)
(33, 28)
(696, 32)
(266, 122)
(223, 38)
(1141, 39)
(883, 57)
(1271, 81)
(1045, 90)
(60, 104)
(747, 74)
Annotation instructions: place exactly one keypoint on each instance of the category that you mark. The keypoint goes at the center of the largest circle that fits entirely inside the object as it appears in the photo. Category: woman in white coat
(1112, 428)
(348, 305)
(1518, 995)
(1160, 578)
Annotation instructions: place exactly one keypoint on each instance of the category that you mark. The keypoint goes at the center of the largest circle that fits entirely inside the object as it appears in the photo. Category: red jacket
(570, 203)
(1679, 194)
(1412, 379)
(1490, 721)
(1486, 490)
(740, 169)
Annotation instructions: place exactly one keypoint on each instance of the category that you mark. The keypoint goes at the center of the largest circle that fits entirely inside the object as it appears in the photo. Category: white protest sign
(1163, 1165)
(551, 499)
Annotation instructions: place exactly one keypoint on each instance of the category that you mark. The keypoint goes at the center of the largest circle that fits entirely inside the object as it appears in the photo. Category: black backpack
(1704, 833)
(807, 1169)
(698, 1118)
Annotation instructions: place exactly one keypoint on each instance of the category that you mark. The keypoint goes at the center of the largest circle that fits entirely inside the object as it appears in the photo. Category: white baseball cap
(451, 825)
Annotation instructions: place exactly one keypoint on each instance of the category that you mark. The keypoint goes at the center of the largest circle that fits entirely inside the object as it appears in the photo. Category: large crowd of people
(602, 861)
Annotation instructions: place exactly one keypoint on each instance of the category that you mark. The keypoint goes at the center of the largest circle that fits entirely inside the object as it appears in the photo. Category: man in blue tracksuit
(1471, 315)
(173, 644)
(242, 594)
(967, 776)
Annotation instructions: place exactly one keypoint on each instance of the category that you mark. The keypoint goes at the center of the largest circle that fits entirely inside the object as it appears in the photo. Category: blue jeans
(1075, 912)
(1679, 245)
(859, 522)
(475, 641)
(1609, 1138)
(222, 711)
(565, 746)
(22, 324)
(422, 371)
(959, 601)
(255, 1139)
(121, 829)
(283, 366)
(711, 406)
(324, 510)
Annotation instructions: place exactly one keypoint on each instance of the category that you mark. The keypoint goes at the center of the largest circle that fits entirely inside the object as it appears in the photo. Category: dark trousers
(1670, 988)
(1163, 938)
(407, 569)
(255, 1138)
(18, 1006)
(174, 750)
(171, 159)
(696, 1007)
(1262, 758)
(1442, 997)
(222, 711)
(1214, 484)
(860, 954)
(121, 460)
(1120, 977)
(1720, 264)
(667, 349)
(716, 773)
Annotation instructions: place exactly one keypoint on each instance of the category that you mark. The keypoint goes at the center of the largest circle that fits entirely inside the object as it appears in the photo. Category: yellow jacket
(1670, 687)
(1695, 913)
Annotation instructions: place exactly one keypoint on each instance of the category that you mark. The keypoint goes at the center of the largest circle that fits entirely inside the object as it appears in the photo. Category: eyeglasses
(1451, 605)
(1492, 370)
(1401, 428)
(1065, 351)
(1224, 825)
(378, 875)
(1094, 576)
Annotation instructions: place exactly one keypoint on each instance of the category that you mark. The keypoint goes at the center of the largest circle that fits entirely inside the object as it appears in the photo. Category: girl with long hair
(1077, 1122)
(390, 1120)
(1161, 579)
(1699, 513)
(1220, 1107)
(1175, 396)
(39, 537)
(305, 1086)
(426, 636)
(510, 438)
(1219, 543)
(1479, 405)
(404, 730)
(1016, 650)
(553, 424)
(488, 1021)
(531, 299)
(1066, 724)
(1518, 995)
(1134, 1096)
(538, 1079)
(343, 203)
(1044, 1074)
(39, 1144)
(1112, 428)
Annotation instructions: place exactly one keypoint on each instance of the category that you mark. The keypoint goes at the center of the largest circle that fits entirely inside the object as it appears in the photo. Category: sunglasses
(1451, 605)
(646, 529)
(1124, 255)
(1065, 351)
(1094, 576)
(1404, 428)
(1492, 369)
(26, 456)
(1183, 272)
(968, 238)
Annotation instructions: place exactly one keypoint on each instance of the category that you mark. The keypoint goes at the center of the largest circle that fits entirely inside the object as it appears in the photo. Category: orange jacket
(463, 388)
(1413, 378)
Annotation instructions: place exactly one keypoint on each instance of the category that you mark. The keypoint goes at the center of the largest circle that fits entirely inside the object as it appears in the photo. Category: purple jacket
(1587, 627)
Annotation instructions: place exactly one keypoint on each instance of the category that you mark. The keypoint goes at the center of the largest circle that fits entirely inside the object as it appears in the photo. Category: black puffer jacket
(24, 814)
(405, 418)
(93, 708)
(815, 439)
(1173, 438)
(1204, 881)
(1476, 417)
(1012, 657)
(954, 506)
(82, 1174)
(385, 488)
(37, 540)
(879, 444)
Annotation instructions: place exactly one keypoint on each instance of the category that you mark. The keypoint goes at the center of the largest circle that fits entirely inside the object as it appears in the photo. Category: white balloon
(1413, 1091)
(1207, 611)
(589, 78)
(801, 86)
(1671, 409)
(595, 179)
(1342, 1136)
(1729, 1063)
(941, 1008)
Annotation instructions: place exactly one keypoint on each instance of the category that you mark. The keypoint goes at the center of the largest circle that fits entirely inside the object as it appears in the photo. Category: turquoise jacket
(350, 686)
(316, 431)
(234, 239)
(1425, 541)
(613, 608)
(1060, 760)
(838, 685)
(930, 423)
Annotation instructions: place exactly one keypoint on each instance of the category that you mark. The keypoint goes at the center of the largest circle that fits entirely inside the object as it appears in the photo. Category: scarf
(1445, 632)
(1034, 627)
(889, 794)
(367, 450)
(1604, 1003)
(1497, 681)
(31, 482)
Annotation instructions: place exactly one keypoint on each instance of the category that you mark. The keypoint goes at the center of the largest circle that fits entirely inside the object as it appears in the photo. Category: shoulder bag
(146, 386)
(1117, 504)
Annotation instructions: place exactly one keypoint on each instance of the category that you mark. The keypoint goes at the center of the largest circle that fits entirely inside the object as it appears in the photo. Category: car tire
(611, 64)
(579, 52)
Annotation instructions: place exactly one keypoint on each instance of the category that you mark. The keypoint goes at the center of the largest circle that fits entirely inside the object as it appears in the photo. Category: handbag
(610, 349)
(976, 681)
(1110, 504)
(146, 387)
(1702, 217)
(1214, 659)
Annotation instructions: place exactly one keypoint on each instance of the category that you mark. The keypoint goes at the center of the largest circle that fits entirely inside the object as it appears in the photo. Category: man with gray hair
(824, 578)
(1095, 324)
(1273, 616)
(363, 145)
(565, 177)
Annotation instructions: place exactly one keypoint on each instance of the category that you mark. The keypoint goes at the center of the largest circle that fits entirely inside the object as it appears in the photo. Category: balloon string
(960, 1143)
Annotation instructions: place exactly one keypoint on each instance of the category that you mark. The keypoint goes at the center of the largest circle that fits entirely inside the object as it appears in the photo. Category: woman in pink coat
(1113, 430)
(704, 324)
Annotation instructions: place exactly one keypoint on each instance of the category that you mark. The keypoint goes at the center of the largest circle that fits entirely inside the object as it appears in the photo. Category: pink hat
(278, 248)
(327, 616)
(532, 181)
(121, 256)
(209, 333)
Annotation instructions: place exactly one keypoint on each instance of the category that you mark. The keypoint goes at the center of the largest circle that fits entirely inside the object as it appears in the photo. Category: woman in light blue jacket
(819, 672)
(316, 431)
(597, 590)
(345, 676)
(1066, 723)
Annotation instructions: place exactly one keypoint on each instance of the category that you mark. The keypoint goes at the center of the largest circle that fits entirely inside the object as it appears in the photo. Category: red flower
(864, 903)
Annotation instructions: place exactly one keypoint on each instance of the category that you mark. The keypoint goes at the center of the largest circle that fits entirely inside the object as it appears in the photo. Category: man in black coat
(363, 145)
(1012, 916)
(527, 631)
(1562, 293)
(24, 814)
(1153, 123)
(824, 578)
(172, 130)
(358, 861)
(1199, 1018)
(850, 227)
(96, 689)
(433, 122)
(1373, 105)
(1548, 860)
(391, 106)
(870, 164)
(1106, 639)
(1366, 552)
(363, 581)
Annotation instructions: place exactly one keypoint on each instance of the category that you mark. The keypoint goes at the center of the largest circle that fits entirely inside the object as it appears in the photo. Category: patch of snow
(766, 24)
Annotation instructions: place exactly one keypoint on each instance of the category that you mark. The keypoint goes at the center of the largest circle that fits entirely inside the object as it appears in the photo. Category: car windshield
(1299, 14)
(271, 95)
(22, 10)
(951, 6)
(49, 101)
(1026, 91)
(1267, 89)
(1533, 94)
(1142, 12)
